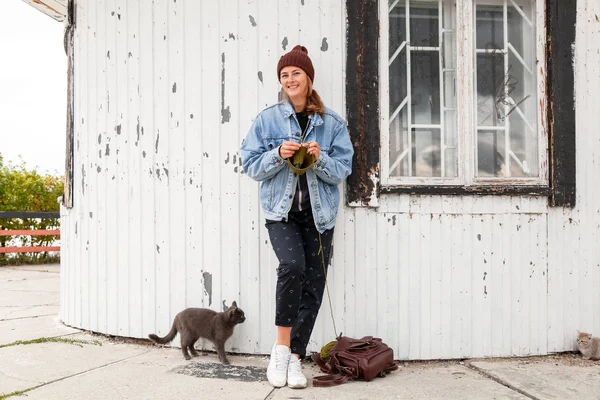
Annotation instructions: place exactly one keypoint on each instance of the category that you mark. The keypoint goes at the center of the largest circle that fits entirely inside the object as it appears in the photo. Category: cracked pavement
(126, 369)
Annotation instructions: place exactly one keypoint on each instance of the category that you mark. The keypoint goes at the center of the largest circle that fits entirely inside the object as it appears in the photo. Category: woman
(300, 205)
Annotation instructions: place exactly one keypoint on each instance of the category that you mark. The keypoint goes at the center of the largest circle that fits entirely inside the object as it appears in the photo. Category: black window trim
(362, 103)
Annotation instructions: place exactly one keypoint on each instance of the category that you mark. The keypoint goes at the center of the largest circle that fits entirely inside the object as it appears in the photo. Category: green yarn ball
(324, 355)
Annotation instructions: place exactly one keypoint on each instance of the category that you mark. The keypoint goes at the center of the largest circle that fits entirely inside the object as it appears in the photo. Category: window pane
(424, 158)
(422, 99)
(506, 88)
(490, 153)
(490, 89)
(399, 145)
(398, 82)
(425, 87)
(397, 25)
(490, 26)
(426, 153)
(522, 117)
(424, 23)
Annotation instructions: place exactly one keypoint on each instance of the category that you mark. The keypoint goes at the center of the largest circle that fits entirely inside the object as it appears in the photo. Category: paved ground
(85, 366)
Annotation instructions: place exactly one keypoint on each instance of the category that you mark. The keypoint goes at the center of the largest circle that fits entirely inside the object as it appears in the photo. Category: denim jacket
(261, 161)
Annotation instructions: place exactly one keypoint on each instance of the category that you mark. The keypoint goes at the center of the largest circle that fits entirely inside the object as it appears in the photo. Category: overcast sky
(33, 86)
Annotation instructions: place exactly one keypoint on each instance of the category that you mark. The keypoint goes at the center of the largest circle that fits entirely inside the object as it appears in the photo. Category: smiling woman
(300, 201)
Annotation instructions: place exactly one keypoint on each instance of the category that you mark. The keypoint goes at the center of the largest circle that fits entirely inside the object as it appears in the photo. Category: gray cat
(195, 323)
(588, 346)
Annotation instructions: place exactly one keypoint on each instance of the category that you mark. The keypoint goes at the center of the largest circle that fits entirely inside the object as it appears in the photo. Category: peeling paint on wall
(225, 113)
(284, 43)
(137, 130)
(156, 143)
(252, 21)
(324, 45)
(83, 179)
(260, 76)
(208, 286)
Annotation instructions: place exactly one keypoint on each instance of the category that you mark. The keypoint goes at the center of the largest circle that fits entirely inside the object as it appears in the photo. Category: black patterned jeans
(300, 276)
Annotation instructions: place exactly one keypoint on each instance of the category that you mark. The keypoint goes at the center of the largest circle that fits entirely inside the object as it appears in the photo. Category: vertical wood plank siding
(164, 218)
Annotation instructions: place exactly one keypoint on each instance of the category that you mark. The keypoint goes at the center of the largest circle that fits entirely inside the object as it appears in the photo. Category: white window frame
(466, 101)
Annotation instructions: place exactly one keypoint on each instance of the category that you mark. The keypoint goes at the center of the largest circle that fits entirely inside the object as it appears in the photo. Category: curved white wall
(164, 218)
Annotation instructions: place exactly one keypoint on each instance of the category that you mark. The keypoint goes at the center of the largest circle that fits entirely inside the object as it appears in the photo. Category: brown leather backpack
(360, 359)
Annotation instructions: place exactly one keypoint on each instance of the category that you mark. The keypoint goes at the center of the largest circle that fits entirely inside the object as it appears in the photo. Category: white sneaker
(278, 365)
(295, 377)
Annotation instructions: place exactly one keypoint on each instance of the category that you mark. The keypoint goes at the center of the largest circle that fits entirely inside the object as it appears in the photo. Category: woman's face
(294, 82)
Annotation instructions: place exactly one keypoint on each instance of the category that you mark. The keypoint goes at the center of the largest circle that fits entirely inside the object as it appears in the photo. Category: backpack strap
(316, 357)
(330, 380)
(392, 367)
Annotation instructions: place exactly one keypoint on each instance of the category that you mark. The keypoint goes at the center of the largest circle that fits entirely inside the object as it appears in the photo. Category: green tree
(23, 189)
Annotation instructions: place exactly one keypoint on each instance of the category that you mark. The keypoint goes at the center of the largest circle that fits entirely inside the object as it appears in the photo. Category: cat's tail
(164, 340)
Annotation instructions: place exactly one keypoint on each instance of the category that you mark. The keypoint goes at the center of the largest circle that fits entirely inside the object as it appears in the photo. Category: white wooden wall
(574, 236)
(164, 219)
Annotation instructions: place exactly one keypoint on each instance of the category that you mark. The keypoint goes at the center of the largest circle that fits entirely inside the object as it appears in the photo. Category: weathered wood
(28, 214)
(31, 249)
(362, 101)
(470, 190)
(20, 232)
(560, 25)
(67, 199)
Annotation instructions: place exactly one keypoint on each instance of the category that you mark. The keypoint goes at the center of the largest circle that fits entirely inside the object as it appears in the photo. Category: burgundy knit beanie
(297, 57)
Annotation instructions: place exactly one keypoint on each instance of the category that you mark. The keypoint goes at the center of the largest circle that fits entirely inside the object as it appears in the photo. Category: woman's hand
(313, 149)
(287, 149)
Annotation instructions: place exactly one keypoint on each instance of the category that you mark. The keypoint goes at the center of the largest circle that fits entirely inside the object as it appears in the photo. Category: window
(462, 94)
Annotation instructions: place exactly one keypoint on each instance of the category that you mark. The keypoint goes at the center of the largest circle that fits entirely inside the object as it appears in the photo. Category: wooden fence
(23, 232)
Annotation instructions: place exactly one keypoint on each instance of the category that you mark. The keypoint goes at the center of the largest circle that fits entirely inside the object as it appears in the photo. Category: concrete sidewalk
(85, 366)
